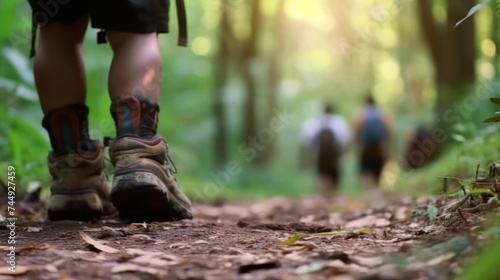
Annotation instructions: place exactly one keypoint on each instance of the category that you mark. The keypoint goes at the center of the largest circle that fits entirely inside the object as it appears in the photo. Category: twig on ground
(455, 206)
(462, 215)
(481, 207)
(457, 178)
(475, 209)
(477, 175)
(463, 189)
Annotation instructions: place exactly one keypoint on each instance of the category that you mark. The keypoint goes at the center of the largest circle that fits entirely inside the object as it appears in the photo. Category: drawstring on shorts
(34, 27)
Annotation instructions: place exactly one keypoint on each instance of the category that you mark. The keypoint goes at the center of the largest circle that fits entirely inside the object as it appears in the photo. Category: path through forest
(377, 236)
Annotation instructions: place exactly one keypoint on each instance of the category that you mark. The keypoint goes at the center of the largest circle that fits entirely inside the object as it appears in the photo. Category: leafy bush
(22, 140)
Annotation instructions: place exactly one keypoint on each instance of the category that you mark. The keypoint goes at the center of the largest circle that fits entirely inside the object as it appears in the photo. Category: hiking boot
(80, 189)
(144, 188)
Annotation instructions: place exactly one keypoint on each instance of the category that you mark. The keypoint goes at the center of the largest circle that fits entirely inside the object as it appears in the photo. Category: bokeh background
(249, 61)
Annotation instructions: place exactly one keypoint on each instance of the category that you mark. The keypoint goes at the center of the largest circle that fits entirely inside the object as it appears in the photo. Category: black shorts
(372, 161)
(332, 174)
(329, 168)
(134, 16)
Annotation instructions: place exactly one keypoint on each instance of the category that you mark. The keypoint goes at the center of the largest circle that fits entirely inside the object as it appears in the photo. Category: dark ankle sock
(68, 130)
(135, 115)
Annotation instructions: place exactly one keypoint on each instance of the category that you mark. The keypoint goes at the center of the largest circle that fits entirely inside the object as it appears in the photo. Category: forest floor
(372, 236)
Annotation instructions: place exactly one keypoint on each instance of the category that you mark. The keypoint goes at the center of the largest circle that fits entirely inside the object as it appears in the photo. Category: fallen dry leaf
(295, 248)
(365, 221)
(440, 259)
(106, 232)
(308, 219)
(33, 229)
(59, 262)
(401, 213)
(51, 268)
(139, 225)
(338, 264)
(98, 245)
(180, 245)
(139, 252)
(35, 247)
(309, 245)
(366, 261)
(157, 259)
(239, 251)
(151, 259)
(65, 277)
(142, 237)
(336, 271)
(136, 268)
(18, 270)
(382, 222)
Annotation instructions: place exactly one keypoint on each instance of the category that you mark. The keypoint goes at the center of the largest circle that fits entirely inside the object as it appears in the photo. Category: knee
(119, 40)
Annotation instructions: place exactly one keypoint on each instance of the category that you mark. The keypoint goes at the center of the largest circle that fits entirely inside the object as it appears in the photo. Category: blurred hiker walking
(143, 187)
(421, 148)
(372, 134)
(324, 141)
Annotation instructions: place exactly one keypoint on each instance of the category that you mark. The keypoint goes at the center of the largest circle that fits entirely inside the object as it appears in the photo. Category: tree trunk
(222, 64)
(452, 51)
(274, 76)
(248, 54)
(275, 59)
(496, 36)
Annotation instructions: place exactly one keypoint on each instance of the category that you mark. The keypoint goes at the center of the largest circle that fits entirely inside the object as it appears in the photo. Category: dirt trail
(375, 237)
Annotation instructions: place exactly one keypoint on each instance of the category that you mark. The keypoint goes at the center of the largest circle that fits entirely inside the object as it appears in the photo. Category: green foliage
(472, 192)
(429, 210)
(495, 118)
(467, 146)
(474, 10)
(484, 265)
(312, 73)
(22, 143)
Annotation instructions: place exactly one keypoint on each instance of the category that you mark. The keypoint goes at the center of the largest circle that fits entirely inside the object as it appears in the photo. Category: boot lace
(168, 160)
(169, 163)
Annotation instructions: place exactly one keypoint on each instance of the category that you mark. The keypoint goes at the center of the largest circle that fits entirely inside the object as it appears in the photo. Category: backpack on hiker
(327, 149)
(373, 131)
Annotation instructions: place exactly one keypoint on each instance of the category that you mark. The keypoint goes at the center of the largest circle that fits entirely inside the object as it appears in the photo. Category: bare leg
(136, 66)
(325, 185)
(328, 186)
(368, 180)
(79, 190)
(143, 186)
(59, 70)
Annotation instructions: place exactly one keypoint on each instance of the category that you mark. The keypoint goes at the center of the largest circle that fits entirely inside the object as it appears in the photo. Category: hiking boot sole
(74, 207)
(139, 202)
